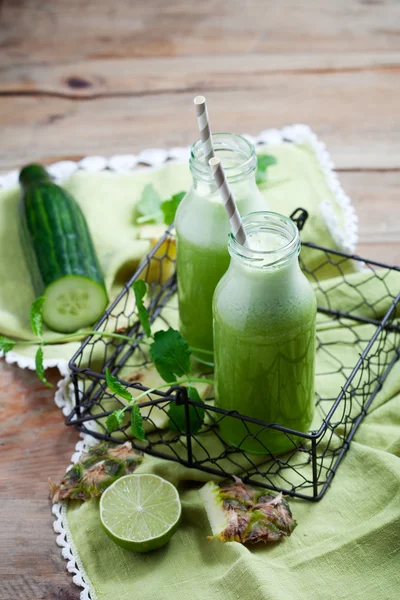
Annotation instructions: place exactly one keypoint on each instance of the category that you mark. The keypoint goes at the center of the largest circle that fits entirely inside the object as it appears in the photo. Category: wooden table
(99, 77)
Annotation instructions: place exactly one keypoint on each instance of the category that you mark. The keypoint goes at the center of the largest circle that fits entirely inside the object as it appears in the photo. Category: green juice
(202, 228)
(200, 270)
(264, 344)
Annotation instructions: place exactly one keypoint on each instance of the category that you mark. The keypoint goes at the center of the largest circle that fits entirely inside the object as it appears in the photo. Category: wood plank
(375, 198)
(357, 136)
(138, 76)
(35, 445)
(73, 30)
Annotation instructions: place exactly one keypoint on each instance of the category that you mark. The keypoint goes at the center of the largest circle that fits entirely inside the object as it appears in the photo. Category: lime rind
(140, 512)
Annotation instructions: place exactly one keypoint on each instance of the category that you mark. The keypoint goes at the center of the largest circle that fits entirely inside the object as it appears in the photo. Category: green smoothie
(202, 229)
(264, 339)
(200, 270)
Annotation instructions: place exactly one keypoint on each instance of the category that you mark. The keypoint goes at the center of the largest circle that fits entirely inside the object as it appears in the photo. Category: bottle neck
(237, 156)
(272, 245)
(239, 187)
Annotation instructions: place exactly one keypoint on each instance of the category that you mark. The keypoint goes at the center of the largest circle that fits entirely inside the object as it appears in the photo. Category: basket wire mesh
(345, 386)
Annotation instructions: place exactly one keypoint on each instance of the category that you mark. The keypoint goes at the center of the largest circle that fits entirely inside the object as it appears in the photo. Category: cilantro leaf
(6, 344)
(40, 367)
(114, 421)
(36, 316)
(177, 414)
(140, 289)
(263, 162)
(148, 209)
(169, 207)
(137, 423)
(116, 387)
(170, 353)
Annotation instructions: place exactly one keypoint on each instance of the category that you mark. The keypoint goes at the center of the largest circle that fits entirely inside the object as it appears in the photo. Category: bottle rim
(241, 150)
(269, 222)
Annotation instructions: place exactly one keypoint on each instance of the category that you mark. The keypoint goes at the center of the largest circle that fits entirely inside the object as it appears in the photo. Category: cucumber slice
(73, 302)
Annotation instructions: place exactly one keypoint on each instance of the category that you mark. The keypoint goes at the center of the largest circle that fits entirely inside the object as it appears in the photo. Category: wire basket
(367, 328)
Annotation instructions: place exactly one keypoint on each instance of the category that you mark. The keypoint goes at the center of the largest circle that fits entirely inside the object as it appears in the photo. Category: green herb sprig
(151, 208)
(264, 161)
(170, 354)
(168, 350)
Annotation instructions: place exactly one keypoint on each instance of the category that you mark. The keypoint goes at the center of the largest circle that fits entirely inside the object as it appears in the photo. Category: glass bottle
(264, 336)
(202, 227)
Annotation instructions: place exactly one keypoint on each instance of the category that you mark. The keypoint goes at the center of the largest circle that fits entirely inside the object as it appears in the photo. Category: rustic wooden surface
(94, 77)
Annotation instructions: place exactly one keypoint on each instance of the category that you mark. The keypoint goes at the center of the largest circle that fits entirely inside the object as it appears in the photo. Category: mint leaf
(137, 423)
(263, 162)
(116, 387)
(6, 344)
(148, 209)
(170, 353)
(177, 414)
(169, 207)
(37, 316)
(140, 289)
(40, 367)
(114, 421)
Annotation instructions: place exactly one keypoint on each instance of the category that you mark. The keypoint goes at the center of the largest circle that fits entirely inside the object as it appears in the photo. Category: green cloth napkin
(346, 546)
(108, 201)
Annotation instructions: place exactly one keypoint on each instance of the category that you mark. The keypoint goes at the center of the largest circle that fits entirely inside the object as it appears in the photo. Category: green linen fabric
(108, 201)
(347, 546)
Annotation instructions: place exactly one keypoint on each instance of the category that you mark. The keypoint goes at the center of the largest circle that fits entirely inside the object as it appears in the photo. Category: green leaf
(169, 207)
(6, 344)
(140, 289)
(137, 423)
(40, 367)
(177, 414)
(170, 353)
(114, 421)
(263, 162)
(116, 387)
(149, 206)
(37, 316)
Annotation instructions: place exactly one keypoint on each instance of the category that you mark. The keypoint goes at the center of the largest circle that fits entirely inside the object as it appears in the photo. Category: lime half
(140, 512)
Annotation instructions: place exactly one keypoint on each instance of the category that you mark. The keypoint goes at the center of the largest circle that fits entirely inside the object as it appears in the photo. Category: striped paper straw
(227, 198)
(204, 127)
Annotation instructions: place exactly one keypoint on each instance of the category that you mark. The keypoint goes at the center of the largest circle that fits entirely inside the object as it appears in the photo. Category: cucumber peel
(60, 253)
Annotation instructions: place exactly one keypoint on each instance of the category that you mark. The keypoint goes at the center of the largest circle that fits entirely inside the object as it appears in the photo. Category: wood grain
(375, 197)
(138, 77)
(35, 444)
(95, 29)
(38, 126)
(96, 77)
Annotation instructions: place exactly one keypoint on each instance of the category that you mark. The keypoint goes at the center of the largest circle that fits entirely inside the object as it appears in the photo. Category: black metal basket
(369, 325)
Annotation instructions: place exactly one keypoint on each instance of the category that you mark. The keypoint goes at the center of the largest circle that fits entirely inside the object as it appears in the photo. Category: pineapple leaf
(140, 289)
(114, 420)
(36, 316)
(40, 367)
(116, 387)
(137, 423)
(6, 344)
